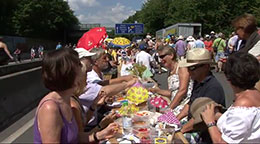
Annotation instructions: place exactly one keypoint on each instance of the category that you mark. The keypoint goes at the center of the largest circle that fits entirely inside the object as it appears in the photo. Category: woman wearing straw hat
(241, 122)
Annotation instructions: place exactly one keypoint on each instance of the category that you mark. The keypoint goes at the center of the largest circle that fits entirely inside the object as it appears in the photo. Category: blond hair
(83, 80)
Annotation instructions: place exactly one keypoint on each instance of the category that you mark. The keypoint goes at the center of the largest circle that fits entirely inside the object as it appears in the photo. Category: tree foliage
(42, 18)
(152, 15)
(214, 15)
(6, 12)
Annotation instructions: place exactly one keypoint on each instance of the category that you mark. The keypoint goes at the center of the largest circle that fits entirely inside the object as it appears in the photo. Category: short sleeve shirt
(220, 43)
(92, 77)
(211, 88)
(144, 58)
(240, 125)
(87, 99)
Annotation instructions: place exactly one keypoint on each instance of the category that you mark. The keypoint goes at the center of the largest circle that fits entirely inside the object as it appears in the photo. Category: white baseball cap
(83, 52)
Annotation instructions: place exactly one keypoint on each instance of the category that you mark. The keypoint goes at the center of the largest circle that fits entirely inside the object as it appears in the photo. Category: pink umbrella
(93, 38)
(158, 102)
(169, 118)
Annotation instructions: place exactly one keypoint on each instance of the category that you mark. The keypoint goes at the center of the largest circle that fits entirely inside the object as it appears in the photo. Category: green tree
(179, 11)
(43, 19)
(152, 15)
(6, 12)
(214, 15)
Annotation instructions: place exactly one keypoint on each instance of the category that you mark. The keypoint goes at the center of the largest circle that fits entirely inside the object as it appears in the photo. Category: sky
(105, 12)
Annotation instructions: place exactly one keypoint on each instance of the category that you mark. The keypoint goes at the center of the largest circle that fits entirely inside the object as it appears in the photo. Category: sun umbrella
(169, 118)
(158, 102)
(120, 42)
(93, 38)
(137, 95)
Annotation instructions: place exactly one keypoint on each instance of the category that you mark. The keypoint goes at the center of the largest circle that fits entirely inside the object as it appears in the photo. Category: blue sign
(134, 28)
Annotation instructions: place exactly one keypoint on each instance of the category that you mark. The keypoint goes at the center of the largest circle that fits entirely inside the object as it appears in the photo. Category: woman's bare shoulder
(248, 99)
(48, 104)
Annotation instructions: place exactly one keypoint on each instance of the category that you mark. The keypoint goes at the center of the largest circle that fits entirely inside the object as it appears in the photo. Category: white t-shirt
(144, 58)
(87, 99)
(92, 77)
(240, 125)
(232, 41)
(125, 69)
(255, 51)
(192, 44)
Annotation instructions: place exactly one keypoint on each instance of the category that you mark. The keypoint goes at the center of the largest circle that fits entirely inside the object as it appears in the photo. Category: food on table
(140, 123)
(142, 133)
(119, 99)
(143, 113)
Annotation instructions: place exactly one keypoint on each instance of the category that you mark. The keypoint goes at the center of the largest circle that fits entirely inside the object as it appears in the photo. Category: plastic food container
(141, 132)
(142, 116)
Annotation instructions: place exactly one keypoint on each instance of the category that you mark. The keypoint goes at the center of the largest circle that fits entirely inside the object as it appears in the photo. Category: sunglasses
(192, 68)
(162, 56)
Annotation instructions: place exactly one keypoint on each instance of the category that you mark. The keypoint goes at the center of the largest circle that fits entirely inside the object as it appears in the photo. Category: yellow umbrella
(120, 42)
(137, 95)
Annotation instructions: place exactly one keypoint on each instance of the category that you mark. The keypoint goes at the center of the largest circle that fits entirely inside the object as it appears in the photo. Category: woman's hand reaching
(108, 132)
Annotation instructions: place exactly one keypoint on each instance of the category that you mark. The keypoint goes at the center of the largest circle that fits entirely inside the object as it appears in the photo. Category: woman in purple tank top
(54, 120)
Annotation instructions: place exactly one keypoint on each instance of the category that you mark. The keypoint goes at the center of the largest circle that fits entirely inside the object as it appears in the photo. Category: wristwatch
(211, 124)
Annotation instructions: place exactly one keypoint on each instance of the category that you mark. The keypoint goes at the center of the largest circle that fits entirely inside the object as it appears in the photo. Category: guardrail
(20, 92)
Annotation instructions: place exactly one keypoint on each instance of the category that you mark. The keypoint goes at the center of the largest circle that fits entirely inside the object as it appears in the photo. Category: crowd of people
(73, 111)
(6, 55)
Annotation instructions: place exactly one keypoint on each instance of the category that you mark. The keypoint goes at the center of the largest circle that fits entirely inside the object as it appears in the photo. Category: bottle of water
(127, 120)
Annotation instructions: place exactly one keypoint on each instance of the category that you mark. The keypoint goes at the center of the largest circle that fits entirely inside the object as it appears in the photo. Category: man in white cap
(212, 35)
(93, 90)
(205, 85)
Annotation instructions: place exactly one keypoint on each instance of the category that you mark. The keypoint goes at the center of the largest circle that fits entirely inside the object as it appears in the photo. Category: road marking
(20, 72)
(19, 132)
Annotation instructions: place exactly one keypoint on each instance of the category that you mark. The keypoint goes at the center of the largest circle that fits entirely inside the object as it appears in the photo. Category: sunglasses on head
(192, 68)
(162, 56)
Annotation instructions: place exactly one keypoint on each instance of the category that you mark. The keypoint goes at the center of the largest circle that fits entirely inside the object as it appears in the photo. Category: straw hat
(180, 37)
(83, 52)
(199, 106)
(197, 56)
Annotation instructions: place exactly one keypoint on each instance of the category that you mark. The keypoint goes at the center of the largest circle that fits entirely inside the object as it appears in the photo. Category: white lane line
(19, 132)
(20, 72)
